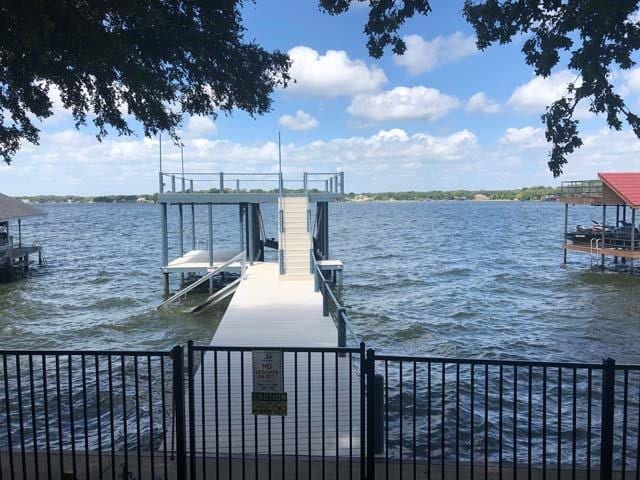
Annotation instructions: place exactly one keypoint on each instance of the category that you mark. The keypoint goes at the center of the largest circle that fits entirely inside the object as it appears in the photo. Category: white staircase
(295, 239)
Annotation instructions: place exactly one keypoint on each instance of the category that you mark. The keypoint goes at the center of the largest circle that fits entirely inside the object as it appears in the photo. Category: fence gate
(322, 434)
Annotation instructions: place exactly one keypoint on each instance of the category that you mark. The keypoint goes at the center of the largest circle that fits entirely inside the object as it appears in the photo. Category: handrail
(243, 265)
(333, 182)
(329, 295)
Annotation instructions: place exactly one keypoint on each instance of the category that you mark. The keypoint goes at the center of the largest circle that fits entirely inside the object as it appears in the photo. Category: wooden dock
(323, 388)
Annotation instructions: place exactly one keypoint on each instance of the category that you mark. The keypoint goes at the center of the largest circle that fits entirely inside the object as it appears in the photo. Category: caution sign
(269, 403)
(268, 396)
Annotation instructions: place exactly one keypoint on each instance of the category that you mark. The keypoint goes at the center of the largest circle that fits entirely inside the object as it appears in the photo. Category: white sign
(268, 396)
(267, 371)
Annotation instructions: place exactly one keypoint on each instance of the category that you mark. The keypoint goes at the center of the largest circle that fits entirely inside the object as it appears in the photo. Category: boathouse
(14, 253)
(618, 193)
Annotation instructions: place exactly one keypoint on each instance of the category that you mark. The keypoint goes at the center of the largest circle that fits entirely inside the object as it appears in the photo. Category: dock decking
(323, 387)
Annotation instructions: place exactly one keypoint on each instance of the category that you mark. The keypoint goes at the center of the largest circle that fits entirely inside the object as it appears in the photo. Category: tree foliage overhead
(153, 59)
(593, 38)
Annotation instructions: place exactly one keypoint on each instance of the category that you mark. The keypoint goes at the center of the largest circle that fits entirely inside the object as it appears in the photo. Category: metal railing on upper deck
(581, 189)
(230, 182)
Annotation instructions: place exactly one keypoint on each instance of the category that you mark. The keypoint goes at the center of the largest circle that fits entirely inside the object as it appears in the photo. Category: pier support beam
(566, 225)
(210, 243)
(165, 246)
(633, 238)
(604, 228)
(181, 237)
(193, 226)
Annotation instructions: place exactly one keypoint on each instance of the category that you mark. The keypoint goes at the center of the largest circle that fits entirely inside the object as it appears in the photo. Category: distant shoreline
(521, 194)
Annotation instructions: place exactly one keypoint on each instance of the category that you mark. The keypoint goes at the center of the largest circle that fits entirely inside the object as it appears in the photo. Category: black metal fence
(187, 413)
(92, 414)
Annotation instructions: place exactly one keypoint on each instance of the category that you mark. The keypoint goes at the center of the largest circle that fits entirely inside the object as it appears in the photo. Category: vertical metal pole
(181, 238)
(624, 220)
(604, 228)
(371, 414)
(250, 233)
(165, 245)
(341, 182)
(210, 226)
(181, 225)
(192, 408)
(326, 186)
(221, 182)
(331, 184)
(633, 238)
(240, 208)
(326, 230)
(238, 185)
(173, 184)
(160, 182)
(566, 226)
(325, 299)
(615, 259)
(342, 328)
(177, 356)
(193, 225)
(305, 183)
(607, 416)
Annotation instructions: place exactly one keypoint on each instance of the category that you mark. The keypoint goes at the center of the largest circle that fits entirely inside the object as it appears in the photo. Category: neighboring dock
(620, 240)
(14, 253)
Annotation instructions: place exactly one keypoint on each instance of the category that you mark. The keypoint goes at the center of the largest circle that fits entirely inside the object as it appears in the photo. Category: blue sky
(444, 116)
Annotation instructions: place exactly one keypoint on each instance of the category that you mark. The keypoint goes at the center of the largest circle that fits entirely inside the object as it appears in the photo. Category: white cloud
(300, 121)
(538, 93)
(332, 74)
(403, 103)
(199, 126)
(480, 103)
(424, 55)
(526, 137)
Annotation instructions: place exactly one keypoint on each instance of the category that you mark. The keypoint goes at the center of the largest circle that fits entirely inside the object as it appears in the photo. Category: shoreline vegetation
(538, 193)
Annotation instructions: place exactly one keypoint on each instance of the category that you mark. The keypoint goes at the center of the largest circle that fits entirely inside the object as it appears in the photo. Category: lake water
(435, 278)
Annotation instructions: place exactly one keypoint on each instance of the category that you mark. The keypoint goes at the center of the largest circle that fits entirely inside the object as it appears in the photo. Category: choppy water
(446, 278)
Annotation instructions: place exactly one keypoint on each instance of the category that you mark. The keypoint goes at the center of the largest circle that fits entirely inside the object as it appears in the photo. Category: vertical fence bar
(192, 410)
(606, 430)
(177, 357)
(371, 414)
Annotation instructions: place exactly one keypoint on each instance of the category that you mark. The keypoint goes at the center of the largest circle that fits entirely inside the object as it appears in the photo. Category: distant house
(13, 253)
(480, 197)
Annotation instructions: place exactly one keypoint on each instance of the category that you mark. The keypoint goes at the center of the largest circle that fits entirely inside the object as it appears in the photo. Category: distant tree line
(144, 198)
(520, 194)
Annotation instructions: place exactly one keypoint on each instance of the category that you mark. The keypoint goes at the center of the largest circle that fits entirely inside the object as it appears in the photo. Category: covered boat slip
(191, 191)
(14, 253)
(276, 305)
(619, 192)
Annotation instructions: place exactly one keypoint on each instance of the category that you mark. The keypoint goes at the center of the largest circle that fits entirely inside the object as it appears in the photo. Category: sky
(443, 116)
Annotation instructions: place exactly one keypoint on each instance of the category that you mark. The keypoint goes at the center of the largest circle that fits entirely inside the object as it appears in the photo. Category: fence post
(192, 409)
(371, 414)
(325, 299)
(606, 431)
(221, 182)
(342, 328)
(177, 357)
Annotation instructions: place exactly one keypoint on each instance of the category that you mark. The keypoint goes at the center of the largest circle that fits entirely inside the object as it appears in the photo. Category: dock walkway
(323, 389)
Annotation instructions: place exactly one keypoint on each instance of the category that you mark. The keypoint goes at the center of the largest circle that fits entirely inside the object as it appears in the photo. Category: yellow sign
(263, 403)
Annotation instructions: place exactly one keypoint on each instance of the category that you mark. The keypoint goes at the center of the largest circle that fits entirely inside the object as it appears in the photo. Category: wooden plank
(602, 251)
